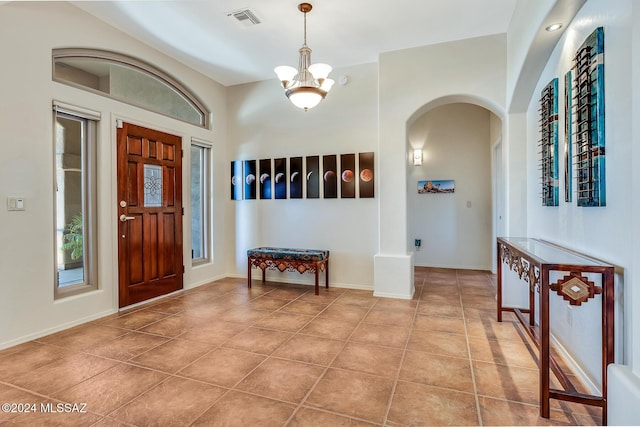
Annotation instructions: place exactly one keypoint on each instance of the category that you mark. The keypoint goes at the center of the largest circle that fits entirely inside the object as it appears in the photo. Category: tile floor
(221, 355)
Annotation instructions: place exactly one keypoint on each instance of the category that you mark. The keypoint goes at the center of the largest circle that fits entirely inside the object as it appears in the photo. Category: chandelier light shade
(307, 85)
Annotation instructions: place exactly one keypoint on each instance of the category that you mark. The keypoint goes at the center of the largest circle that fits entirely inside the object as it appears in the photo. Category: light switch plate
(15, 203)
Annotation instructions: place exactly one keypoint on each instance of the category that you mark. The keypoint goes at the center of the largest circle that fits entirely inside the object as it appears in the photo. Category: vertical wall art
(236, 180)
(588, 116)
(347, 176)
(280, 173)
(250, 179)
(329, 178)
(313, 177)
(265, 178)
(568, 143)
(549, 143)
(295, 177)
(366, 175)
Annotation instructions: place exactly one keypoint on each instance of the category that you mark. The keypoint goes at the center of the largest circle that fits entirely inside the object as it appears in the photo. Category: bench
(286, 259)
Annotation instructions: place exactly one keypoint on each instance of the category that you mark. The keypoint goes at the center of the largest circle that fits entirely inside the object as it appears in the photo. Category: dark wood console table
(532, 260)
(287, 259)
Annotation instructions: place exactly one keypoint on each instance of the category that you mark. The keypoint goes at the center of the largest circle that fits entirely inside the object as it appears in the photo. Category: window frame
(135, 64)
(205, 154)
(90, 123)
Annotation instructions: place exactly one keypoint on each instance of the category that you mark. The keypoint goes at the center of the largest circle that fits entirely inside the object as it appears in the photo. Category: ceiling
(340, 32)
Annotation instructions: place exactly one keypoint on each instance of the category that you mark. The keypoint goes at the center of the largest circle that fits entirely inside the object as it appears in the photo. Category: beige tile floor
(275, 355)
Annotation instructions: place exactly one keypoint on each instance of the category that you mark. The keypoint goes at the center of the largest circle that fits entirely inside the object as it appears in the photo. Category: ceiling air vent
(245, 17)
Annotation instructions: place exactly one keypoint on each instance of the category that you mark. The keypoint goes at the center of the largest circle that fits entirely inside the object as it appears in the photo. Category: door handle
(124, 218)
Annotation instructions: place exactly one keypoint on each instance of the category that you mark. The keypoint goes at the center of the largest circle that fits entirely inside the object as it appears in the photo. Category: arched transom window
(129, 80)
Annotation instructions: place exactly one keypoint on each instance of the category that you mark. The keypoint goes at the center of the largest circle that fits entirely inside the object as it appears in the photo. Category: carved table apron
(288, 259)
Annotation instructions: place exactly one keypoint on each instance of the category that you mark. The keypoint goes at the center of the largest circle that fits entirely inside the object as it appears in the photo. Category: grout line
(404, 352)
(326, 368)
(473, 374)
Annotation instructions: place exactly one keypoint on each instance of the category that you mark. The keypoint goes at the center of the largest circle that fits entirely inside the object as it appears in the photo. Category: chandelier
(308, 85)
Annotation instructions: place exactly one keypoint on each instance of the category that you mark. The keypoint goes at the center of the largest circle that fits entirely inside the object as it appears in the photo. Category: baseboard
(258, 277)
(456, 267)
(392, 295)
(204, 282)
(575, 367)
(55, 329)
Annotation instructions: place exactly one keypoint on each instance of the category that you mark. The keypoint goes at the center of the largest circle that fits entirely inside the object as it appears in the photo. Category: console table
(532, 260)
(286, 259)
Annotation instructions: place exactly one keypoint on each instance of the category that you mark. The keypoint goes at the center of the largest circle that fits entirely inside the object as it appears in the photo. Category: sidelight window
(75, 206)
(200, 203)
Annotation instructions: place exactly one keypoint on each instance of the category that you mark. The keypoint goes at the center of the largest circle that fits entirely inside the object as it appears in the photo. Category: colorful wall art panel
(568, 143)
(588, 117)
(366, 174)
(329, 178)
(280, 173)
(265, 178)
(436, 186)
(236, 180)
(295, 177)
(313, 177)
(549, 143)
(249, 179)
(347, 176)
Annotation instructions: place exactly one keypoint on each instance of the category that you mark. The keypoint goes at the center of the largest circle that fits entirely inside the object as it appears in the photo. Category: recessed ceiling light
(554, 27)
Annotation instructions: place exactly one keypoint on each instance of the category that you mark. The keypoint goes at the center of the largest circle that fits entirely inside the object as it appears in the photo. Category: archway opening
(455, 200)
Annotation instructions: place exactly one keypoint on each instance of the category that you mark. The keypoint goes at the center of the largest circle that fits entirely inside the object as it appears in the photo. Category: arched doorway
(460, 141)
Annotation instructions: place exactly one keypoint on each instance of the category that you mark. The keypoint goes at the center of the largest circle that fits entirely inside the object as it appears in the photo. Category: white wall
(455, 229)
(263, 124)
(28, 32)
(601, 232)
(413, 81)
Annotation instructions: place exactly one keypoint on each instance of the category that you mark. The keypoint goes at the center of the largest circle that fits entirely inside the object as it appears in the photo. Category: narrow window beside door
(75, 190)
(200, 202)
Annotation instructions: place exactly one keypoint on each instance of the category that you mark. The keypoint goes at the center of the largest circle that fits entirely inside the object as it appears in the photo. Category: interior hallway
(221, 354)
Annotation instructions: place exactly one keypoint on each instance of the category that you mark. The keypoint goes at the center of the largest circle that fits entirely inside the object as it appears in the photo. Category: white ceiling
(340, 32)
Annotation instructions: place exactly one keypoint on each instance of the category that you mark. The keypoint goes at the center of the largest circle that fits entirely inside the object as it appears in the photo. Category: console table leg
(499, 286)
(317, 272)
(263, 274)
(249, 273)
(544, 343)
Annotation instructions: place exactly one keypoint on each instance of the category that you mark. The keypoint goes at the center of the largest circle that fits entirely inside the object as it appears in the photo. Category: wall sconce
(417, 156)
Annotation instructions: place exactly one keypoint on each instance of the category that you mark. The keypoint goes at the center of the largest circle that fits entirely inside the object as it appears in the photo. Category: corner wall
(263, 124)
(409, 80)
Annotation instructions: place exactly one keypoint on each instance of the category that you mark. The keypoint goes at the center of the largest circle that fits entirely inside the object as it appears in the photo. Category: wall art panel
(295, 177)
(588, 117)
(313, 177)
(280, 172)
(347, 176)
(249, 179)
(329, 177)
(236, 180)
(366, 175)
(265, 178)
(549, 143)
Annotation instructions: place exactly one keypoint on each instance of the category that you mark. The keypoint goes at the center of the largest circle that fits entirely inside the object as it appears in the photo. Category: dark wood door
(149, 213)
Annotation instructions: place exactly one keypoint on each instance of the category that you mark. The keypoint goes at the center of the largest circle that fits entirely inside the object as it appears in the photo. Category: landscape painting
(437, 186)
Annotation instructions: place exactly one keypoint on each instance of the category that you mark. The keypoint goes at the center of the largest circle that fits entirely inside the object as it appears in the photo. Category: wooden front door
(149, 214)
